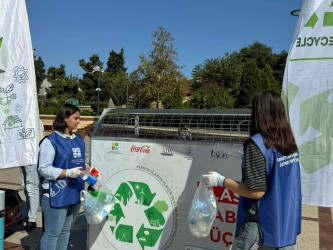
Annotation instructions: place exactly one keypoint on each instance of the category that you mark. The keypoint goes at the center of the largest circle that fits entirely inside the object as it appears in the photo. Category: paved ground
(317, 223)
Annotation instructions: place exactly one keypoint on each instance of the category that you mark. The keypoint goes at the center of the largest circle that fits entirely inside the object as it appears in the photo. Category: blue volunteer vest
(279, 215)
(68, 154)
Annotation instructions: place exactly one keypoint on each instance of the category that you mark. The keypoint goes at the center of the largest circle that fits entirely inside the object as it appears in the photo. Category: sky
(65, 31)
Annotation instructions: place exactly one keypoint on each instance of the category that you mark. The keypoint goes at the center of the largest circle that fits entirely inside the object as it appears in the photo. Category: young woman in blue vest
(61, 160)
(269, 209)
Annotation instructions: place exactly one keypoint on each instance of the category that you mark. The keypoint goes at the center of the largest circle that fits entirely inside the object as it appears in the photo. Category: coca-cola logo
(143, 149)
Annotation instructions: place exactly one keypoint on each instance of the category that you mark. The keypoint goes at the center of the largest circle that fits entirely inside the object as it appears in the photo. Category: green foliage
(225, 71)
(251, 83)
(63, 88)
(102, 106)
(50, 110)
(114, 87)
(56, 74)
(87, 112)
(89, 81)
(116, 63)
(258, 52)
(211, 95)
(39, 71)
(158, 75)
(254, 68)
(279, 63)
(223, 82)
(113, 81)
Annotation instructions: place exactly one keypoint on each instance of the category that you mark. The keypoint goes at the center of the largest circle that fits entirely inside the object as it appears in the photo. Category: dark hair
(269, 119)
(64, 111)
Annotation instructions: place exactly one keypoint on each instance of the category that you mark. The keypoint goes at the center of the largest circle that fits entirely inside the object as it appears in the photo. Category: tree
(211, 95)
(225, 71)
(89, 81)
(174, 100)
(251, 82)
(279, 64)
(115, 80)
(56, 74)
(258, 52)
(116, 62)
(114, 87)
(158, 74)
(39, 71)
(64, 89)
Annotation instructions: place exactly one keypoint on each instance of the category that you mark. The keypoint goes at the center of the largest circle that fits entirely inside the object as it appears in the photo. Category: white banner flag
(308, 94)
(19, 135)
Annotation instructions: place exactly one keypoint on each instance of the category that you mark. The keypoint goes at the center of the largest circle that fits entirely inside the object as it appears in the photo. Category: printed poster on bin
(154, 185)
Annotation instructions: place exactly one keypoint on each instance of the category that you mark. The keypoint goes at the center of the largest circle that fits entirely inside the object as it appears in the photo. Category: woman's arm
(45, 162)
(242, 190)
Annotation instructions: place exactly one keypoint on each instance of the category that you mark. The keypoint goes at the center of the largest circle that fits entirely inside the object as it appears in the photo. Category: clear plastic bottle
(95, 211)
(93, 181)
(203, 212)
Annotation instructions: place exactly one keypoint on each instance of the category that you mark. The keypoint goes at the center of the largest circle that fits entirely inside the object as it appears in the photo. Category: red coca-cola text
(143, 149)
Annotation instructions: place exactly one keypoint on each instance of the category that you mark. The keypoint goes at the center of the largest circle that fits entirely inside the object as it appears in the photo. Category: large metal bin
(152, 161)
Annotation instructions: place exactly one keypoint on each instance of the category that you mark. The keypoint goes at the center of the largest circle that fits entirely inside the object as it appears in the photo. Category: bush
(102, 106)
(87, 112)
(51, 110)
(211, 96)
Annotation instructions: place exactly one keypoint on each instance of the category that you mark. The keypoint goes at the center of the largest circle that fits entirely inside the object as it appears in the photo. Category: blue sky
(65, 31)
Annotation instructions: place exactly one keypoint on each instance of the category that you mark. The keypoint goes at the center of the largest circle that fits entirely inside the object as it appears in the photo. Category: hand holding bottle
(73, 172)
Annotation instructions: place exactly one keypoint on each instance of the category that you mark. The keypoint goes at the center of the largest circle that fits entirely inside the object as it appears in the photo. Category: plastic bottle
(95, 212)
(102, 196)
(202, 214)
(93, 181)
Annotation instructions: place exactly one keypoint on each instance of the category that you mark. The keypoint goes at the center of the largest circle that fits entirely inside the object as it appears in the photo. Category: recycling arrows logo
(327, 20)
(139, 196)
(313, 154)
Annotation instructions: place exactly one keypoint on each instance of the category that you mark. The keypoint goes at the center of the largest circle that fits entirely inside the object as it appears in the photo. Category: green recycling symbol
(139, 196)
(327, 21)
(315, 112)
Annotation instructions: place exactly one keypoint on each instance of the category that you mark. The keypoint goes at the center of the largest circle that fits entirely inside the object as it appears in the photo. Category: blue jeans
(249, 239)
(58, 223)
(30, 185)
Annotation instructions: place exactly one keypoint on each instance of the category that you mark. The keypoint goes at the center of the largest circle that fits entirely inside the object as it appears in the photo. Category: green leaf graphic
(125, 233)
(117, 212)
(142, 193)
(124, 193)
(148, 237)
(317, 112)
(312, 21)
(1, 41)
(154, 217)
(328, 19)
(288, 99)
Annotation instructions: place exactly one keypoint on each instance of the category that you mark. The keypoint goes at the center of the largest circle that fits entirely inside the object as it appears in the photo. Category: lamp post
(98, 89)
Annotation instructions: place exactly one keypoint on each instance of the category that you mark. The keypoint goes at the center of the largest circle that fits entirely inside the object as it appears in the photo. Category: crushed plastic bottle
(203, 212)
(96, 208)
